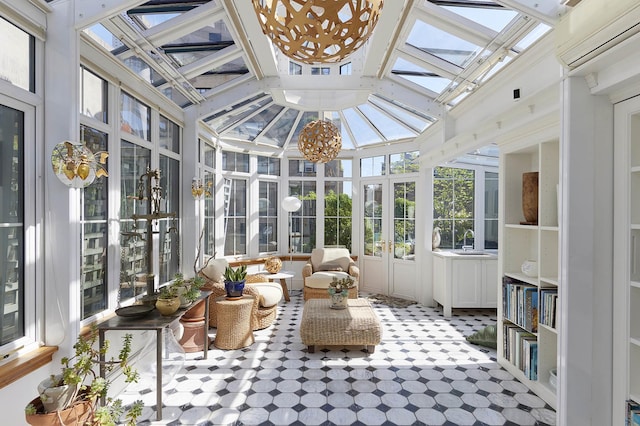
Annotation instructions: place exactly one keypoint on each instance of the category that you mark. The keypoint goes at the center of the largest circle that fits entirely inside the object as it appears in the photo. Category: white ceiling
(423, 58)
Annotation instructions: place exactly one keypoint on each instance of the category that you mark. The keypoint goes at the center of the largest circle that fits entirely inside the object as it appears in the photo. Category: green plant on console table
(189, 288)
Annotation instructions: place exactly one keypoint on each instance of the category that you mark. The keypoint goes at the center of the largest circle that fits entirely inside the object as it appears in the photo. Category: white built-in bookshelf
(527, 326)
(626, 277)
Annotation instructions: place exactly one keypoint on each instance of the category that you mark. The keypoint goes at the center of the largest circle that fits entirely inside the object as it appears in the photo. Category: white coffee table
(282, 276)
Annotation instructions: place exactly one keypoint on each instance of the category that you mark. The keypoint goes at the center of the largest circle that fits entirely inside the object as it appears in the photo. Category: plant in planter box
(80, 375)
(234, 280)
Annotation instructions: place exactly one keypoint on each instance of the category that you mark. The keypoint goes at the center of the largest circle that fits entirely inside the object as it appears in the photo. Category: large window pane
(133, 268)
(303, 221)
(453, 201)
(168, 227)
(407, 162)
(12, 247)
(337, 214)
(135, 117)
(372, 166)
(268, 216)
(404, 220)
(372, 220)
(490, 210)
(235, 219)
(235, 162)
(94, 255)
(302, 168)
(93, 95)
(17, 59)
(169, 135)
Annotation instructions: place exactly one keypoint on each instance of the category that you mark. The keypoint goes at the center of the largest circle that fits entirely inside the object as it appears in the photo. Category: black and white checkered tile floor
(423, 372)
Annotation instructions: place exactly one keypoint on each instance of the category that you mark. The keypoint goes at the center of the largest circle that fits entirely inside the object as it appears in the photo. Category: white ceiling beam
(433, 63)
(225, 97)
(255, 43)
(410, 97)
(547, 11)
(212, 61)
(385, 35)
(454, 24)
(89, 12)
(185, 23)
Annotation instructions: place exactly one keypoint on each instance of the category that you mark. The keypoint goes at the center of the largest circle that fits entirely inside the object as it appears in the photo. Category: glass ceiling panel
(421, 76)
(277, 134)
(176, 96)
(389, 127)
(336, 119)
(150, 20)
(103, 37)
(361, 130)
(199, 44)
(307, 117)
(220, 75)
(533, 36)
(439, 43)
(220, 114)
(249, 129)
(412, 121)
(223, 123)
(142, 68)
(494, 18)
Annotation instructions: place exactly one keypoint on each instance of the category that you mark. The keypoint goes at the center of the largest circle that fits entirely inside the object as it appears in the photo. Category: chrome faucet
(465, 247)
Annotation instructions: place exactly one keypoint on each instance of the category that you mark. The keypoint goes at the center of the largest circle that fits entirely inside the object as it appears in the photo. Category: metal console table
(154, 321)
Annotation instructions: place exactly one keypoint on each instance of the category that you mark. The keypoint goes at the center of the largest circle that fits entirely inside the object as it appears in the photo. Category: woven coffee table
(356, 325)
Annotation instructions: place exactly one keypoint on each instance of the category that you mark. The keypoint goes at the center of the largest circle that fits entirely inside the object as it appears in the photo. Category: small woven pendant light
(320, 141)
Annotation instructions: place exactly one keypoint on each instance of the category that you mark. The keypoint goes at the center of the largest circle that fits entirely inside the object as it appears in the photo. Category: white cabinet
(527, 335)
(464, 281)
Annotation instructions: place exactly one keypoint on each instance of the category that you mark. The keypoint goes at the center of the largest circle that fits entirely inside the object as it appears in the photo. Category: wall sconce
(76, 166)
(198, 189)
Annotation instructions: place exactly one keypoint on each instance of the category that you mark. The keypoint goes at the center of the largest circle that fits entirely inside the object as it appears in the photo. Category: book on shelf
(548, 302)
(520, 303)
(633, 414)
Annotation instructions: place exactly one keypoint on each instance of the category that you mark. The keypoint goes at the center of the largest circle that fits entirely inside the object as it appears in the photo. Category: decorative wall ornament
(320, 141)
(76, 166)
(318, 31)
(198, 189)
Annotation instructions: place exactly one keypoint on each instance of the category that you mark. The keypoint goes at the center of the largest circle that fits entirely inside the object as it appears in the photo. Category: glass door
(389, 238)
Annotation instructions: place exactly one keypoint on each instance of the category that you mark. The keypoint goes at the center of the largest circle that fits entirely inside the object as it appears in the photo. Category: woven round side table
(234, 323)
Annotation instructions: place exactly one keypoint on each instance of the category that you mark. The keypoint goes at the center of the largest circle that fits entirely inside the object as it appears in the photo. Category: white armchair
(324, 265)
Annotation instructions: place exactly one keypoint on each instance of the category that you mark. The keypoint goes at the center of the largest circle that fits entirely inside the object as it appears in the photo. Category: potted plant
(189, 289)
(234, 280)
(339, 292)
(168, 300)
(80, 376)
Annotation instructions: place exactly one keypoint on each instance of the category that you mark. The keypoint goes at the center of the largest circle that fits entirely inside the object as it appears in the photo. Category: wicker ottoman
(234, 323)
(356, 325)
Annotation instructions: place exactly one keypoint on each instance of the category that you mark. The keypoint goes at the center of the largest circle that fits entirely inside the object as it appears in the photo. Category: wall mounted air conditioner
(594, 26)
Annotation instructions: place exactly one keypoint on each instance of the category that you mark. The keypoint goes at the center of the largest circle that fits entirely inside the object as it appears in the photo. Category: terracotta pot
(77, 414)
(530, 198)
(168, 306)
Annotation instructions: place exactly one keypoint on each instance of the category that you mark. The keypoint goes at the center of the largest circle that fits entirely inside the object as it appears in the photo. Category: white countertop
(459, 254)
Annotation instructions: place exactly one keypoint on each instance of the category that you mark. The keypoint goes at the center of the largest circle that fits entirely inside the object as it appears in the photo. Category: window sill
(25, 364)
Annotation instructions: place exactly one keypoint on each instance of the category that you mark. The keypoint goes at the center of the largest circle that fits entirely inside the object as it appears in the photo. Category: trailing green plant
(189, 288)
(168, 291)
(82, 372)
(238, 274)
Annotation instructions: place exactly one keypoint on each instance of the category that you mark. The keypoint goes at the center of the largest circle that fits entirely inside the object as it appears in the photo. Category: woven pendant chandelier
(318, 31)
(320, 141)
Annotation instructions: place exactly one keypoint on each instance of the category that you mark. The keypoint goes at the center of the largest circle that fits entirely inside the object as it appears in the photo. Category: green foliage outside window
(453, 202)
(338, 219)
